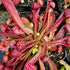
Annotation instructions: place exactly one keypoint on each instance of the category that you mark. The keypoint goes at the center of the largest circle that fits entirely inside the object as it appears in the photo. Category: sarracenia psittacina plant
(27, 42)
